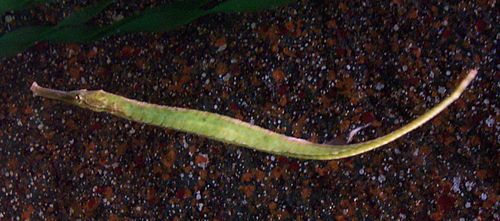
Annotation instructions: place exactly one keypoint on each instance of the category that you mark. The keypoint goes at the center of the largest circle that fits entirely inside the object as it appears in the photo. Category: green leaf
(159, 19)
(68, 34)
(19, 40)
(248, 5)
(162, 19)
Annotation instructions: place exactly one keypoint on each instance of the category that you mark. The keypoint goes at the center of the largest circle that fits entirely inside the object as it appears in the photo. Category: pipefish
(230, 130)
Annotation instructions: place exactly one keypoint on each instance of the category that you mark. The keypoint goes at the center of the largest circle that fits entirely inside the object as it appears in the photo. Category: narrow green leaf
(19, 40)
(162, 19)
(159, 19)
(248, 5)
(77, 34)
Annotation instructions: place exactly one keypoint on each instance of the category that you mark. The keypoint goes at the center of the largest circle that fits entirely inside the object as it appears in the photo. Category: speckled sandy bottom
(327, 66)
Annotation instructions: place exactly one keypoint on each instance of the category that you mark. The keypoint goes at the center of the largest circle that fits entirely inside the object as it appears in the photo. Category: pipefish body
(230, 130)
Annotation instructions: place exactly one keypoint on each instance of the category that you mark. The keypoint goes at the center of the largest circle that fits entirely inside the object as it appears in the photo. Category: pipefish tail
(230, 130)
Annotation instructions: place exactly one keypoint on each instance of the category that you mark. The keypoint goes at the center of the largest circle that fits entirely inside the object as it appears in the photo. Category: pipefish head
(92, 100)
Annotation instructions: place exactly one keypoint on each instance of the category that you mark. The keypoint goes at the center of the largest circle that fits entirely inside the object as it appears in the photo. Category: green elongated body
(233, 131)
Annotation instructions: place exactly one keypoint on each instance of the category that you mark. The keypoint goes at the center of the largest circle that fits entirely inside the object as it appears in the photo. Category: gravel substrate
(314, 69)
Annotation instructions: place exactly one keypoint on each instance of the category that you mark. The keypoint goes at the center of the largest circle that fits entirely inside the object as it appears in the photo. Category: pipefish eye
(78, 97)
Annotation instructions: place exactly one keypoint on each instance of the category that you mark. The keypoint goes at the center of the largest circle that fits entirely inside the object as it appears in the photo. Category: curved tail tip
(472, 73)
(34, 88)
(470, 76)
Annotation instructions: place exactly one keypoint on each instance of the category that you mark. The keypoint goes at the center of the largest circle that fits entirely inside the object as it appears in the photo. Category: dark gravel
(315, 69)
